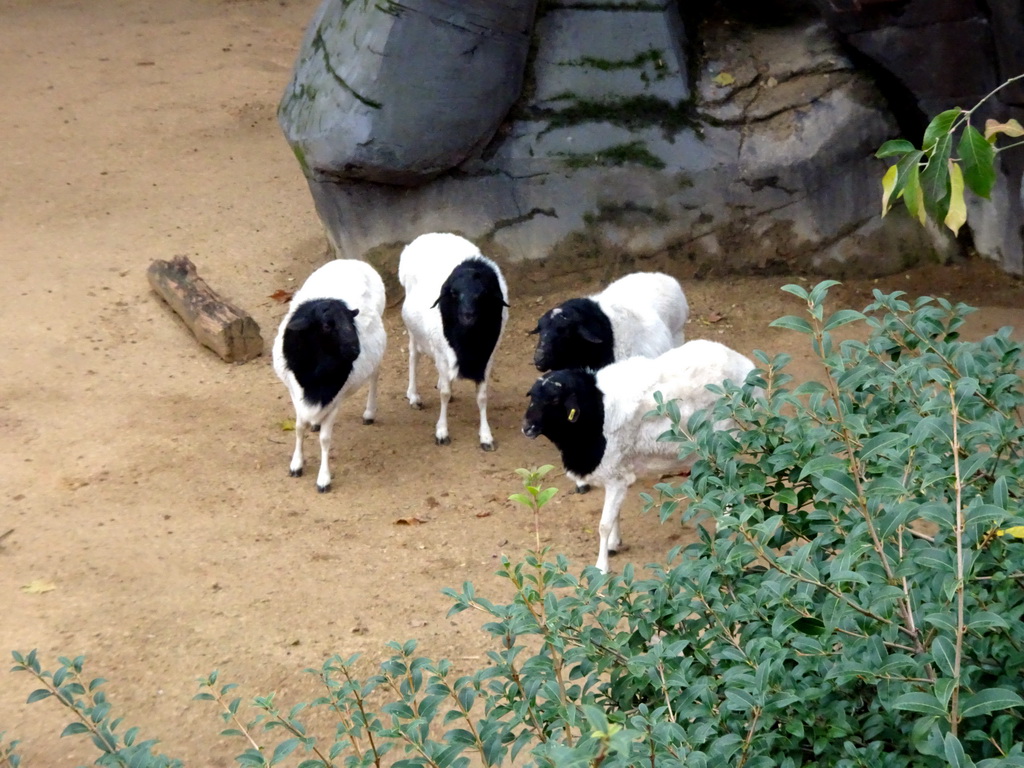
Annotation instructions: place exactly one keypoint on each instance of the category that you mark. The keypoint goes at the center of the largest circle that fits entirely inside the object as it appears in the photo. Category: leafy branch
(931, 180)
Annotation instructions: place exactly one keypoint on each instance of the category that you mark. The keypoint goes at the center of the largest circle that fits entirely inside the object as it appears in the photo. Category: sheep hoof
(443, 440)
(584, 488)
(367, 421)
(295, 472)
(487, 446)
(323, 488)
(314, 428)
(416, 405)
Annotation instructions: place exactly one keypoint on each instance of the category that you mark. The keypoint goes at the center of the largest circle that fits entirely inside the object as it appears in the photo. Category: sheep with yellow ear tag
(600, 424)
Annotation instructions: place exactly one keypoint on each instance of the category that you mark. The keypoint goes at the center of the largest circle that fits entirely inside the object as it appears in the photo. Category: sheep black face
(469, 292)
(568, 409)
(553, 402)
(471, 305)
(575, 334)
(321, 344)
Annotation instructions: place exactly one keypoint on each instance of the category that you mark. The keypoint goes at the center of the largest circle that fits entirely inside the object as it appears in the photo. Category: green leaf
(917, 701)
(955, 752)
(913, 196)
(940, 126)
(818, 292)
(944, 654)
(978, 158)
(989, 700)
(895, 147)
(809, 625)
(842, 317)
(545, 496)
(792, 323)
(840, 485)
(820, 464)
(72, 729)
(38, 695)
(797, 290)
(982, 620)
(283, 749)
(956, 216)
(935, 178)
(1001, 493)
(879, 443)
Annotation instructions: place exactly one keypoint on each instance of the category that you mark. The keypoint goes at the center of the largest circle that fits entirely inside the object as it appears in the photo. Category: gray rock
(771, 168)
(398, 93)
(953, 61)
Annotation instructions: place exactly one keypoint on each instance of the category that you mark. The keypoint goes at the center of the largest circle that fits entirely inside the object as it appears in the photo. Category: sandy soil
(146, 481)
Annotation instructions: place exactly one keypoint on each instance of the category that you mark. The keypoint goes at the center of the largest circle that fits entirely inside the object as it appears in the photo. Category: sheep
(641, 314)
(330, 342)
(455, 310)
(600, 424)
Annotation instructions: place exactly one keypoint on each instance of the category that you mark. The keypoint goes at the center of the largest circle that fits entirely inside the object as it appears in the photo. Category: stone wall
(623, 146)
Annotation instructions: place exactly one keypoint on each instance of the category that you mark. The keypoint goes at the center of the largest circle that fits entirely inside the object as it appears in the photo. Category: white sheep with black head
(602, 425)
(455, 310)
(641, 314)
(330, 342)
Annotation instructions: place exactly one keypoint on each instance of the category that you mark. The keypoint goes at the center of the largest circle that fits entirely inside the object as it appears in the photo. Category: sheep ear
(441, 296)
(588, 335)
(505, 303)
(298, 323)
(355, 313)
(534, 332)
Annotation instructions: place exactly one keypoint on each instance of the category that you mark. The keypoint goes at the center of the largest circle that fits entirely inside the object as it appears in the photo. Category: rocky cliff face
(628, 143)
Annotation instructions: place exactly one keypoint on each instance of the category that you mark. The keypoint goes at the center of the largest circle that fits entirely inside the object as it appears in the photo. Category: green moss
(634, 153)
(620, 213)
(683, 181)
(631, 112)
(300, 155)
(320, 46)
(652, 56)
(390, 7)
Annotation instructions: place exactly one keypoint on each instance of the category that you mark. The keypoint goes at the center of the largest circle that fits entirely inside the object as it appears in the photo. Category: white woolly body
(360, 287)
(423, 268)
(647, 311)
(632, 448)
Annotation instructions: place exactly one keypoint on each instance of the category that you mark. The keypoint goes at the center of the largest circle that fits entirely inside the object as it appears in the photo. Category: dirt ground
(146, 481)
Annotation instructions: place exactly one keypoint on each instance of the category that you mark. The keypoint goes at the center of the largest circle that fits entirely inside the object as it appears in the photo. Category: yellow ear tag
(572, 415)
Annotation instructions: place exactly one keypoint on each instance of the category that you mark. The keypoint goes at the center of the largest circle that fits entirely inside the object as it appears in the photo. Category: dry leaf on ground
(38, 586)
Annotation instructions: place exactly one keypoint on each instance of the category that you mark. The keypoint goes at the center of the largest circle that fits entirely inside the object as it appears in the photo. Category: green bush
(855, 598)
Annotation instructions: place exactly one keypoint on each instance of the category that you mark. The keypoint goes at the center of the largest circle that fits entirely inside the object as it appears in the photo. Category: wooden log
(227, 330)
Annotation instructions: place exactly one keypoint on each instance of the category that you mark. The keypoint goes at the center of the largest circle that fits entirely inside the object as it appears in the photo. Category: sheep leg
(323, 479)
(412, 393)
(614, 496)
(486, 438)
(444, 387)
(371, 400)
(295, 468)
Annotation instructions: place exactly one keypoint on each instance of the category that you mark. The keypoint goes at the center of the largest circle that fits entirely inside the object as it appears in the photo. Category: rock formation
(623, 146)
